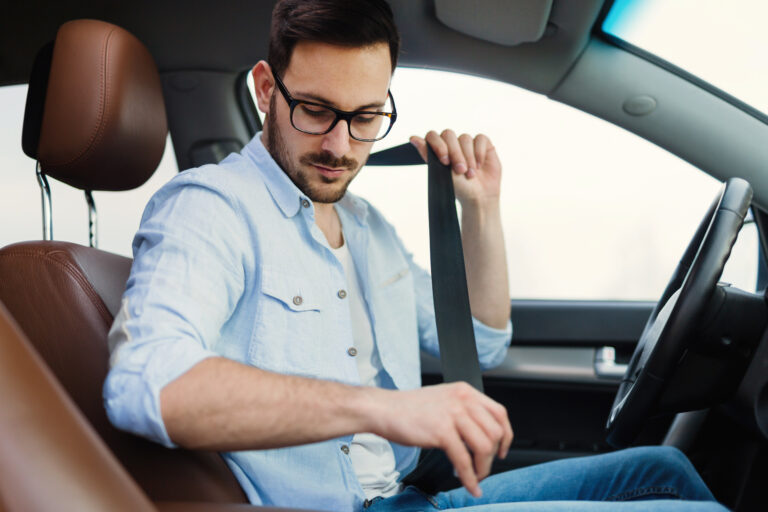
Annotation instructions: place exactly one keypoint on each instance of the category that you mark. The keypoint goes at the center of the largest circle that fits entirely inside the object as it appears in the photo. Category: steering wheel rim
(666, 334)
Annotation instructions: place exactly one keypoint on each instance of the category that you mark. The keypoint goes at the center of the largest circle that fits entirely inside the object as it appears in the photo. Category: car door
(591, 234)
(560, 374)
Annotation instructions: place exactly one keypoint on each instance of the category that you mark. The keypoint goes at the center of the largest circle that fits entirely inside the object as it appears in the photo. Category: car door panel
(556, 400)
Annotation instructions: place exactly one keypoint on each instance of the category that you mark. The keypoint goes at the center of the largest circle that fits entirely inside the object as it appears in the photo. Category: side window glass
(119, 213)
(590, 211)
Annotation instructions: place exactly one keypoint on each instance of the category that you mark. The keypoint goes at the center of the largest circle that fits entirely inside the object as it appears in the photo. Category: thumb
(420, 145)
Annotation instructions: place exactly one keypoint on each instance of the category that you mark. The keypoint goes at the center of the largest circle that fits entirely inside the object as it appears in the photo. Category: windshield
(723, 43)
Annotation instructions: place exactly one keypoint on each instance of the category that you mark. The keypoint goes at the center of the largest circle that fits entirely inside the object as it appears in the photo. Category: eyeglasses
(318, 119)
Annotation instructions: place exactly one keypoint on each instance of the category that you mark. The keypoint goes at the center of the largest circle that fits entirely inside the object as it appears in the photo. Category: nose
(336, 141)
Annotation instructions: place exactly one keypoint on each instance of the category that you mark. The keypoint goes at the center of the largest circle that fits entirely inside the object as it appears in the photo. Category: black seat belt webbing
(455, 334)
(458, 352)
(456, 337)
(404, 154)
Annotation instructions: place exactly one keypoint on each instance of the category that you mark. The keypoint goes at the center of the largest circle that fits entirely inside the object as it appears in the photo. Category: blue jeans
(596, 483)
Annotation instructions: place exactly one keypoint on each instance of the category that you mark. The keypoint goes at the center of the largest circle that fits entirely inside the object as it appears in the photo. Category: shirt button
(352, 351)
(342, 294)
(298, 300)
(305, 203)
(345, 449)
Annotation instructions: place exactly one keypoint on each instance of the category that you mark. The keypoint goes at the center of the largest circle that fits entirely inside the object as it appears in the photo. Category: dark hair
(354, 23)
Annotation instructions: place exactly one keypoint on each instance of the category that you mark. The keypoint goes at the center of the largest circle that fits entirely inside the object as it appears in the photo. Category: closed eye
(365, 118)
(314, 111)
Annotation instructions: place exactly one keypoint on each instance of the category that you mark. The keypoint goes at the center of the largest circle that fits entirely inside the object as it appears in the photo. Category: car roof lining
(690, 122)
(193, 41)
(494, 21)
(568, 63)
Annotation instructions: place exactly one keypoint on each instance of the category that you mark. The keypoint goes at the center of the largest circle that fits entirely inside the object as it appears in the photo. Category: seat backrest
(50, 458)
(64, 296)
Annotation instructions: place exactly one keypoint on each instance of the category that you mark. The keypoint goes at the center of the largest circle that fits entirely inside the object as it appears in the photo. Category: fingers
(459, 456)
(467, 425)
(455, 153)
(463, 153)
(482, 446)
(501, 418)
(485, 152)
(492, 428)
(439, 146)
(467, 148)
(508, 435)
(482, 145)
(483, 426)
(421, 146)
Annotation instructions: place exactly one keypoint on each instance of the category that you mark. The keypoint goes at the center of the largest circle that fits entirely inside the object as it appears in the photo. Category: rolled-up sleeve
(492, 343)
(185, 281)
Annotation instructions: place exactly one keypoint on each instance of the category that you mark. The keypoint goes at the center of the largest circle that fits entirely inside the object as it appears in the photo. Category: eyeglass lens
(317, 119)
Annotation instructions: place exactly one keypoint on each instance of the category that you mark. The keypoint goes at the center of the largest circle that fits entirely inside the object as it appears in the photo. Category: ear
(263, 84)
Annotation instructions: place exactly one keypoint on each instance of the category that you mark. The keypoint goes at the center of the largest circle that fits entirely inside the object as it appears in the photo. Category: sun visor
(505, 22)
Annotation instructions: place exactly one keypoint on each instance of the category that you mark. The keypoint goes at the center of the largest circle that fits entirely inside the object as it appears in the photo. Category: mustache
(325, 159)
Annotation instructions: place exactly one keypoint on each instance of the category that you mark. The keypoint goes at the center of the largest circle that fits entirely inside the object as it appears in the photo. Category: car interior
(107, 83)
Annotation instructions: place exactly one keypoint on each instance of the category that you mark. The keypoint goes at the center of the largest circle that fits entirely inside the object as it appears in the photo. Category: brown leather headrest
(103, 123)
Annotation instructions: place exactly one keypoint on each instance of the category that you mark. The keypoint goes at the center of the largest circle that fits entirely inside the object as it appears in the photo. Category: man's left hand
(475, 164)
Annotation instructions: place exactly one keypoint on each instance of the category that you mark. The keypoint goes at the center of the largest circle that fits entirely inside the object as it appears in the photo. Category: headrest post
(45, 196)
(93, 235)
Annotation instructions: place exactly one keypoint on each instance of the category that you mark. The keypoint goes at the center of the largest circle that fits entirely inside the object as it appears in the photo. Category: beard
(334, 188)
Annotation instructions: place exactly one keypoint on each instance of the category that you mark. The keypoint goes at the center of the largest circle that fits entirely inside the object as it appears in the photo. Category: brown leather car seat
(50, 456)
(96, 120)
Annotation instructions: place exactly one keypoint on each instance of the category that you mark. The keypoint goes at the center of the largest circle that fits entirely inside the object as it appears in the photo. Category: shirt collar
(285, 193)
(356, 206)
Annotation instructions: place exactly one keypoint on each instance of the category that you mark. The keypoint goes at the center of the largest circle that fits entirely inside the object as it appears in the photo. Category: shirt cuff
(492, 343)
(132, 391)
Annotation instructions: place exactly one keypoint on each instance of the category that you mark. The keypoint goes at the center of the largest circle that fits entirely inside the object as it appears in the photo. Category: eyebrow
(314, 97)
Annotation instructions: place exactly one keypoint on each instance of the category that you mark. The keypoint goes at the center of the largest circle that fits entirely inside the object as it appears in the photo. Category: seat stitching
(98, 130)
(74, 272)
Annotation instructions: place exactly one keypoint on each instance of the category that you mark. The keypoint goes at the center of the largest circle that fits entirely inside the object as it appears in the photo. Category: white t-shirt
(372, 456)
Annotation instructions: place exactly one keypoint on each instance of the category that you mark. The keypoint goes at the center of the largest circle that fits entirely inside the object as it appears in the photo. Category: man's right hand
(468, 426)
(268, 410)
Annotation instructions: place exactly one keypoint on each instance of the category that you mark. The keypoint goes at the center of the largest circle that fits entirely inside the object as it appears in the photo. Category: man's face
(322, 166)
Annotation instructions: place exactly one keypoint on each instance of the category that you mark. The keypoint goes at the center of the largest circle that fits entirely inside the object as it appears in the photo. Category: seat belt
(455, 334)
(456, 337)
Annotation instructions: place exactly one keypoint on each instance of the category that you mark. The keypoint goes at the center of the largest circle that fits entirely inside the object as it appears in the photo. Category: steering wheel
(666, 335)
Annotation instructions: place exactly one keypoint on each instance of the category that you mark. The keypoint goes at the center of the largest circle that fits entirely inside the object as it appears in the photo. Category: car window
(590, 211)
(119, 213)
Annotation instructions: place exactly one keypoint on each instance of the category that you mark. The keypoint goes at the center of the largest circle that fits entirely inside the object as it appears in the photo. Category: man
(271, 316)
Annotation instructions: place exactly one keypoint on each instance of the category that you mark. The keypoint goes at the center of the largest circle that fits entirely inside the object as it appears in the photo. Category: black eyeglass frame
(340, 114)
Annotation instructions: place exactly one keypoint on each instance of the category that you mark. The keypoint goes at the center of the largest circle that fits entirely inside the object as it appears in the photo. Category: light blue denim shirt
(228, 262)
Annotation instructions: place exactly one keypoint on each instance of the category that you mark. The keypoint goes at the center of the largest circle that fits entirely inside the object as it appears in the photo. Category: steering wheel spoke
(667, 333)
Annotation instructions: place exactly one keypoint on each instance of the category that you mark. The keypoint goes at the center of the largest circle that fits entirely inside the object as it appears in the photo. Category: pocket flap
(293, 291)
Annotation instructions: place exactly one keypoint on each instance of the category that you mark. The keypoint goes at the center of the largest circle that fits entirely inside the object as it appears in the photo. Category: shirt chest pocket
(397, 327)
(289, 325)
